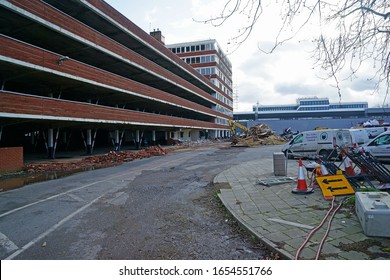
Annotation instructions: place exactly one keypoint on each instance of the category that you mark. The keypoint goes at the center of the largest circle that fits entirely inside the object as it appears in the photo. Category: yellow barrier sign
(334, 185)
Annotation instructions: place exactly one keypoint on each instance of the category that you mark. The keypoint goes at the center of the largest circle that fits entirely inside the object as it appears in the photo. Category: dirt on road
(170, 210)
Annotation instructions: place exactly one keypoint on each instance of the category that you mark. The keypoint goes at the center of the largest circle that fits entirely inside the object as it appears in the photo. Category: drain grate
(275, 181)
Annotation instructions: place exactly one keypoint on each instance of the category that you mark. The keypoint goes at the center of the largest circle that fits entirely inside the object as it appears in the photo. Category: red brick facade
(71, 66)
(54, 16)
(11, 159)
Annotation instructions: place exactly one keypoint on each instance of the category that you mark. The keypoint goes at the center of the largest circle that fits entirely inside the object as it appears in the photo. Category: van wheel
(288, 154)
(324, 154)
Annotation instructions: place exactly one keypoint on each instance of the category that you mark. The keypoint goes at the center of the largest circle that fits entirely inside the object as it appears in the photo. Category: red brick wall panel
(11, 159)
(52, 15)
(36, 56)
(42, 107)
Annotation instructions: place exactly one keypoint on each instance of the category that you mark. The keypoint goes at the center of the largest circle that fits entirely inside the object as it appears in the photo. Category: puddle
(17, 181)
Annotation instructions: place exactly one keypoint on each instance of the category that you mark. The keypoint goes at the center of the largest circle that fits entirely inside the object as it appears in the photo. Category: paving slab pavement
(284, 220)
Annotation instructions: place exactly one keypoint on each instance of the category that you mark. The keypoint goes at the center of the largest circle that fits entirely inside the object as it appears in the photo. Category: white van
(312, 143)
(359, 136)
(375, 131)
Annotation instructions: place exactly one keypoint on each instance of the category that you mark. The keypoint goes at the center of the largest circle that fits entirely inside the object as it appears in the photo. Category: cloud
(363, 84)
(296, 88)
(278, 78)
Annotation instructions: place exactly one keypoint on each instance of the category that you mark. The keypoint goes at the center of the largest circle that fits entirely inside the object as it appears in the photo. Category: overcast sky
(270, 79)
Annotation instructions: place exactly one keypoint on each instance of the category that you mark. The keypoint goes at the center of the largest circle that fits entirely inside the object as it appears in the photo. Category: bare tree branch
(361, 32)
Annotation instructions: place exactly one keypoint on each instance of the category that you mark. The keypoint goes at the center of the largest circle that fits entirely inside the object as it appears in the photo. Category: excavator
(233, 126)
(240, 126)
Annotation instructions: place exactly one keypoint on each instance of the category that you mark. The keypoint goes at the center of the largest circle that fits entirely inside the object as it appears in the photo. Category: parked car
(313, 143)
(379, 147)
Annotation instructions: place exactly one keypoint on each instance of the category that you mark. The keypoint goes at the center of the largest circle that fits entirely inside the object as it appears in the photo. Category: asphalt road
(157, 208)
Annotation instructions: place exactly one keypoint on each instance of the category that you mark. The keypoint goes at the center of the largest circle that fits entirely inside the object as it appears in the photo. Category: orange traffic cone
(347, 166)
(362, 171)
(318, 170)
(302, 186)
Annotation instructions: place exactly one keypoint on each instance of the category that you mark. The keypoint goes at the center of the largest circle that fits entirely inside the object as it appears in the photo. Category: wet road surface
(157, 208)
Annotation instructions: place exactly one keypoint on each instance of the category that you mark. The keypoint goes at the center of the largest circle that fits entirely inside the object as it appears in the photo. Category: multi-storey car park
(78, 73)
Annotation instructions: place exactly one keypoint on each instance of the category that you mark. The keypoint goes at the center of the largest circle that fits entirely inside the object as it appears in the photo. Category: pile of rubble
(112, 158)
(98, 161)
(260, 134)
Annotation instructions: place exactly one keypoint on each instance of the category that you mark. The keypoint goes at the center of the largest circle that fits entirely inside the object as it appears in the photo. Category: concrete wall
(11, 159)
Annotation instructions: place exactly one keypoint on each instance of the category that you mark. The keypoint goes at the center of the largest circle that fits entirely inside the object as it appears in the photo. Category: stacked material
(260, 134)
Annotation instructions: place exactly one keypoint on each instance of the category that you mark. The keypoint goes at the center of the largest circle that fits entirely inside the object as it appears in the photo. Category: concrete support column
(65, 137)
(89, 141)
(154, 142)
(137, 140)
(116, 142)
(50, 143)
(32, 139)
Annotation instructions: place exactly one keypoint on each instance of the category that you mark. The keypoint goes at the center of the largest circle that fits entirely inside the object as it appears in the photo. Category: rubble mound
(109, 159)
(113, 157)
(260, 134)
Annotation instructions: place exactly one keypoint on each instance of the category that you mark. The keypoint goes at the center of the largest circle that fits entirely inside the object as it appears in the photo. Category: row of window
(313, 102)
(224, 89)
(346, 106)
(223, 99)
(223, 110)
(210, 58)
(283, 108)
(221, 121)
(320, 108)
(311, 108)
(212, 71)
(193, 48)
(202, 47)
(199, 59)
(207, 70)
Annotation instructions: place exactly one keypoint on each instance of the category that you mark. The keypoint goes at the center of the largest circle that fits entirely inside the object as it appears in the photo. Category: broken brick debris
(259, 134)
(111, 158)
